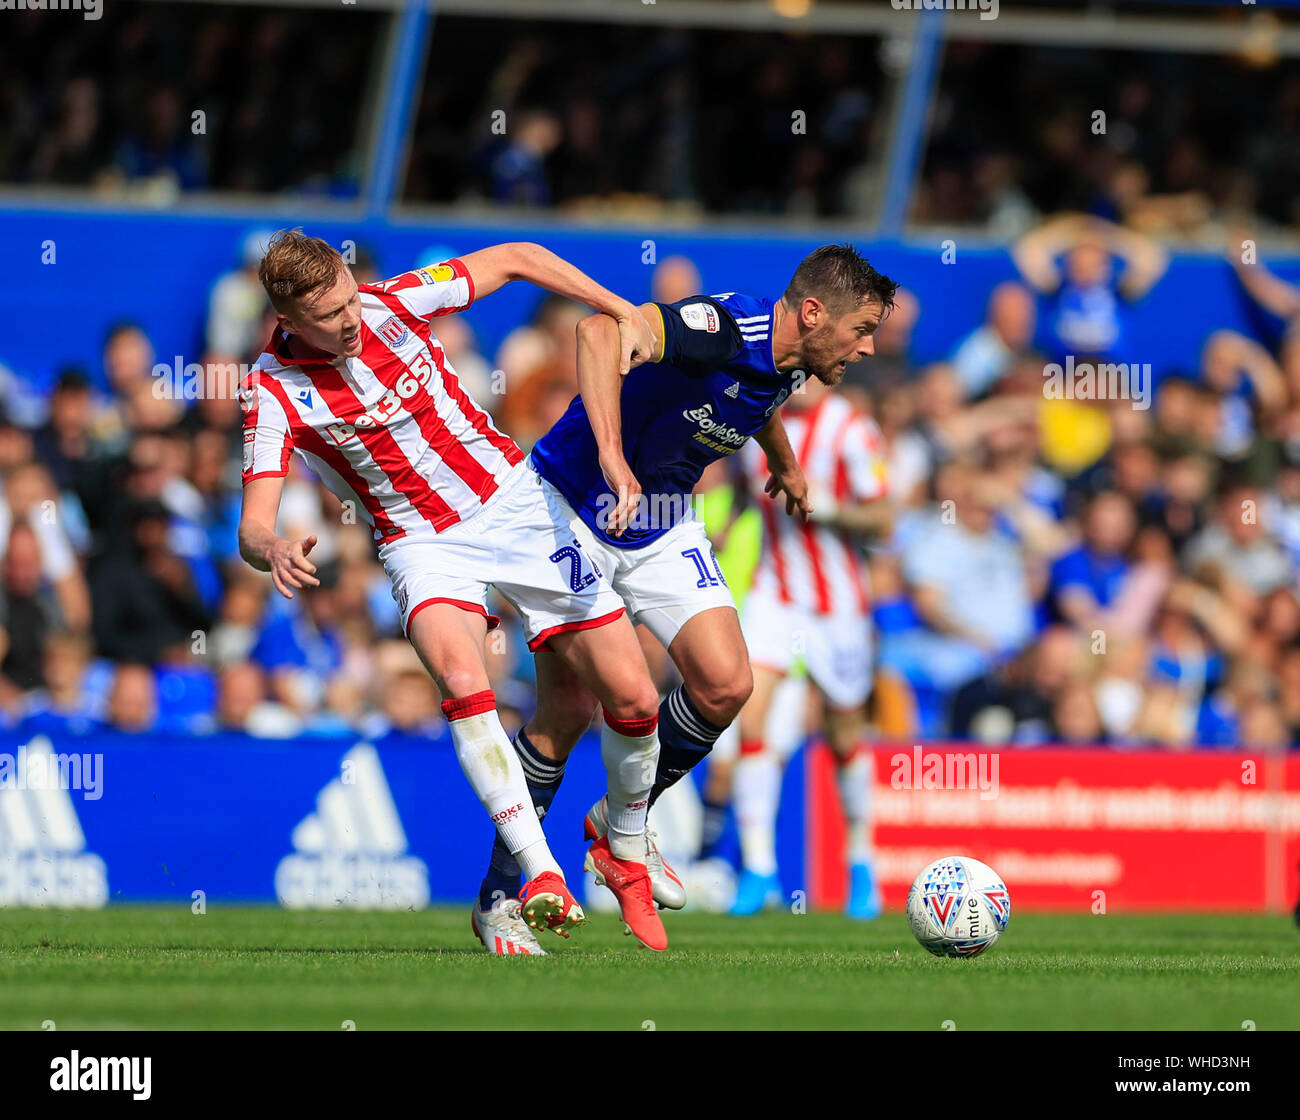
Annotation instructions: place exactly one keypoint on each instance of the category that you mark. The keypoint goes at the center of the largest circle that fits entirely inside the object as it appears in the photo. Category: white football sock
(756, 793)
(488, 759)
(630, 751)
(854, 778)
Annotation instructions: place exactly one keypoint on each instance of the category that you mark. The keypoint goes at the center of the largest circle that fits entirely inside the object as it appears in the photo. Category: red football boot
(548, 904)
(630, 883)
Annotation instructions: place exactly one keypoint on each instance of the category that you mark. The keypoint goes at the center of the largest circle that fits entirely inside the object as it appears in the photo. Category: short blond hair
(296, 265)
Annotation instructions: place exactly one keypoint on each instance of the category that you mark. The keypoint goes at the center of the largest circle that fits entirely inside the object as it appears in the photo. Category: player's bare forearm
(602, 362)
(598, 380)
(600, 384)
(490, 268)
(787, 475)
(260, 547)
(774, 441)
(257, 521)
(498, 265)
(601, 346)
(255, 544)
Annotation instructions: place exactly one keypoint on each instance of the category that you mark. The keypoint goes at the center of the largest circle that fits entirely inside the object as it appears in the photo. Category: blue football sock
(543, 775)
(685, 739)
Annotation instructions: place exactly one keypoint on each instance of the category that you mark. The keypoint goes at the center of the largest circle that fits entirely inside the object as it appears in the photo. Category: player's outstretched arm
(259, 546)
(497, 265)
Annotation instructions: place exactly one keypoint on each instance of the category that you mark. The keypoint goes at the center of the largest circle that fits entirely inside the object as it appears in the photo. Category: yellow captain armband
(661, 336)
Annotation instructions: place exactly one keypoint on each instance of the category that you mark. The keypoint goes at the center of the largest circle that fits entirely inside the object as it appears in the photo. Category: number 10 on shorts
(707, 578)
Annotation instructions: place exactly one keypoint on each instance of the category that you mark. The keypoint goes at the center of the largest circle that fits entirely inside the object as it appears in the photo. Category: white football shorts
(835, 649)
(668, 582)
(528, 543)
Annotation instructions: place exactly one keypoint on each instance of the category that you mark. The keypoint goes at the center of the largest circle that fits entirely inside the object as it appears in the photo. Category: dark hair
(328, 573)
(146, 509)
(841, 278)
(72, 379)
(1233, 480)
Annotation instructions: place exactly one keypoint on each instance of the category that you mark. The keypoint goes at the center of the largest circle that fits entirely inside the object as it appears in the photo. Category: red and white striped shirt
(812, 566)
(390, 430)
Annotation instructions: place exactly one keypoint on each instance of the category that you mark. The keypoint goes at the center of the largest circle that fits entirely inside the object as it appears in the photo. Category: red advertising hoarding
(1150, 830)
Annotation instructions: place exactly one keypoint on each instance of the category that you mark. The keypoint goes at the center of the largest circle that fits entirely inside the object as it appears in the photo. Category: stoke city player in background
(627, 456)
(355, 382)
(810, 599)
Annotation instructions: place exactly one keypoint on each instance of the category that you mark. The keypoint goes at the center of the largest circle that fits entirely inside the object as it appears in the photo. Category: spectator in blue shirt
(1085, 314)
(518, 173)
(65, 706)
(300, 646)
(1088, 579)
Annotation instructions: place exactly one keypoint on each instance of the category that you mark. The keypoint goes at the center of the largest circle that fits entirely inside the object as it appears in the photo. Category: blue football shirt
(714, 388)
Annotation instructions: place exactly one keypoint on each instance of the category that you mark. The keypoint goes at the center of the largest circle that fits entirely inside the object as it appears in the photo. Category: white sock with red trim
(630, 751)
(756, 796)
(493, 769)
(854, 777)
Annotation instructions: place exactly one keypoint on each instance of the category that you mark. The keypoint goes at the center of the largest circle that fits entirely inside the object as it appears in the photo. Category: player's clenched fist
(290, 566)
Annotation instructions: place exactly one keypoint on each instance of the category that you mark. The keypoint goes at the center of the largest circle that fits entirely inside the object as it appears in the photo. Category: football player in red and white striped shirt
(810, 600)
(355, 382)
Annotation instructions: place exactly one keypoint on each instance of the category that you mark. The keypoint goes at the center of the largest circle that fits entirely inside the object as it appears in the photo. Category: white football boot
(503, 931)
(664, 884)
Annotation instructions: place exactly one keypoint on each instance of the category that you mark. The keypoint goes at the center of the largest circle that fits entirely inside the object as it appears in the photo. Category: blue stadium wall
(328, 823)
(305, 822)
(158, 269)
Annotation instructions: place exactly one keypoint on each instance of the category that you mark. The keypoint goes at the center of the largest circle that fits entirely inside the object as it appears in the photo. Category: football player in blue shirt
(627, 456)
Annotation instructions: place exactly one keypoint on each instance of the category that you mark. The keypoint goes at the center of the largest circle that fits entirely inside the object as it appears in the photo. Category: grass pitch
(163, 967)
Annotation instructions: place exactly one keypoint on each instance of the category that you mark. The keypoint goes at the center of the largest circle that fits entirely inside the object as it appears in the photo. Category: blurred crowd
(1121, 571)
(154, 99)
(653, 118)
(1166, 143)
(1082, 570)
